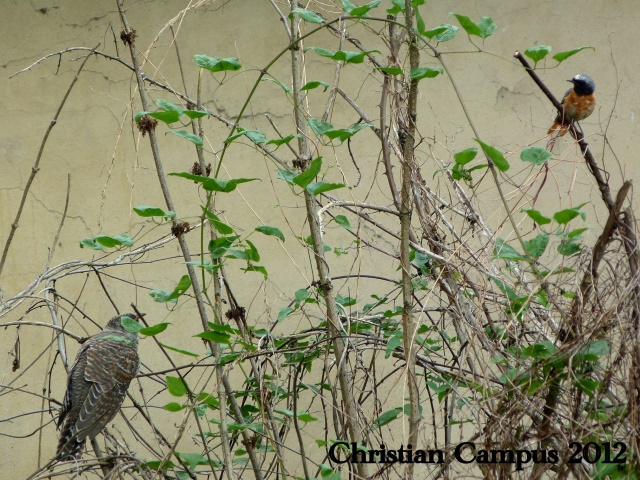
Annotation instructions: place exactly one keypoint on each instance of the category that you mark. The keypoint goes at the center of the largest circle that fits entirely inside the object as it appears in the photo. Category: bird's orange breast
(579, 107)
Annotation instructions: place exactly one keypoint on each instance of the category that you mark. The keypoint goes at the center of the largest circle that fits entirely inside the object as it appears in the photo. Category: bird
(96, 386)
(577, 104)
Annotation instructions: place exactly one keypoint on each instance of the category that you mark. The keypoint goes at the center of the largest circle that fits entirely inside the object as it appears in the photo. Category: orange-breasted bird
(577, 104)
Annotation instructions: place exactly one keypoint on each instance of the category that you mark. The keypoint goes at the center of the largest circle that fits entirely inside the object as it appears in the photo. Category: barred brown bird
(97, 384)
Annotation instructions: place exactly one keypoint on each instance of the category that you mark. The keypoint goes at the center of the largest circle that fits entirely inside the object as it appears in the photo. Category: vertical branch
(394, 44)
(128, 35)
(408, 321)
(334, 327)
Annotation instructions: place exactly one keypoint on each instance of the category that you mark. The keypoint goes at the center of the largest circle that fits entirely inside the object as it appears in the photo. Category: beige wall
(111, 168)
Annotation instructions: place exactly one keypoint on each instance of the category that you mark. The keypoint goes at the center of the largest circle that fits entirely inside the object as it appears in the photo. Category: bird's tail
(69, 447)
(558, 127)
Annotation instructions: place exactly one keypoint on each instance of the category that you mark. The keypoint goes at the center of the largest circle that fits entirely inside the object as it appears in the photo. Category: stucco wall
(110, 167)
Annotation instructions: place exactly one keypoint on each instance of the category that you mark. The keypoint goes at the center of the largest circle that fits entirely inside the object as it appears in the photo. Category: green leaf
(277, 82)
(424, 72)
(280, 141)
(576, 233)
(568, 248)
(327, 472)
(565, 216)
(228, 357)
(130, 325)
(537, 245)
(252, 252)
(193, 459)
(307, 15)
(343, 133)
(504, 288)
(537, 53)
(148, 211)
(536, 216)
(562, 56)
(442, 32)
(257, 268)
(466, 23)
(347, 6)
(398, 6)
(174, 407)
(99, 241)
(487, 27)
(179, 350)
(219, 246)
(193, 114)
(363, 10)
(124, 239)
(169, 106)
(176, 386)
(159, 465)
(239, 254)
(458, 172)
(343, 221)
(154, 329)
(315, 84)
(342, 55)
(304, 416)
(195, 139)
(323, 52)
(495, 155)
(286, 175)
(166, 117)
(208, 400)
(320, 127)
(215, 64)
(225, 186)
(597, 349)
(190, 176)
(163, 296)
(182, 286)
(345, 301)
(352, 57)
(390, 70)
(217, 337)
(256, 136)
(535, 155)
(465, 156)
(285, 312)
(394, 342)
(588, 386)
(267, 230)
(305, 178)
(506, 252)
(302, 295)
(221, 227)
(91, 244)
(483, 29)
(321, 187)
(420, 25)
(387, 417)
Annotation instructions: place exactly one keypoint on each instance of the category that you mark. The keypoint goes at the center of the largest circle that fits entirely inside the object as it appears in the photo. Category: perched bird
(577, 104)
(97, 384)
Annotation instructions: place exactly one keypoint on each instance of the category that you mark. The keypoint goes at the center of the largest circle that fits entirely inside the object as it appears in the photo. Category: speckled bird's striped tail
(69, 448)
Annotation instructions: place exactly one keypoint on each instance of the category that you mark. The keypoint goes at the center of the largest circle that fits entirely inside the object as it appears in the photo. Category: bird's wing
(112, 362)
(559, 117)
(76, 386)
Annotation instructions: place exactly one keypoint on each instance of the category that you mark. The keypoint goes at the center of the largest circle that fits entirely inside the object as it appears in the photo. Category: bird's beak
(571, 81)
